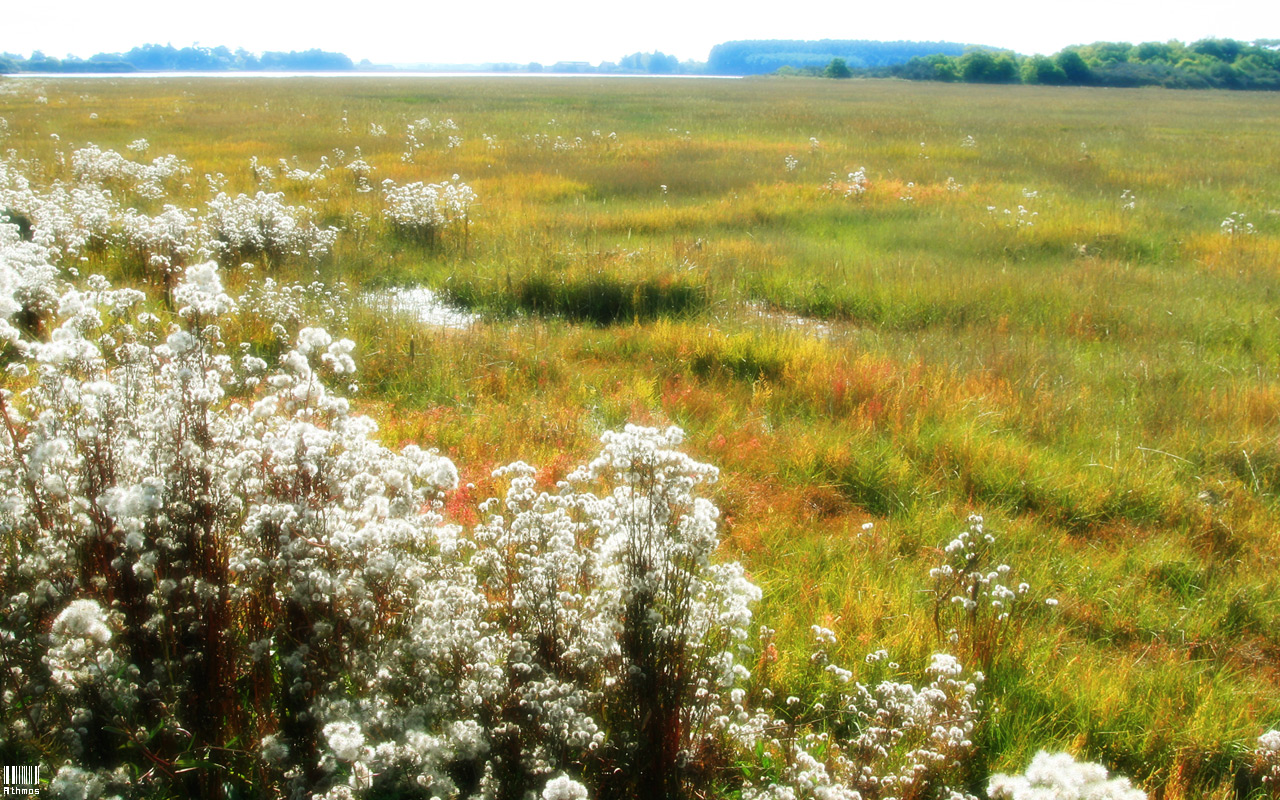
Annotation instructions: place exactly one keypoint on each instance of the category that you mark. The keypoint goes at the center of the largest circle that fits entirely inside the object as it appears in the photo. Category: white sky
(476, 31)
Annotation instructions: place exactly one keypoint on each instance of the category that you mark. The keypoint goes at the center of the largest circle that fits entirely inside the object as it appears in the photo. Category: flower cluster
(1267, 754)
(857, 185)
(139, 501)
(92, 164)
(294, 173)
(425, 210)
(287, 308)
(556, 144)
(1023, 217)
(1058, 776)
(359, 170)
(28, 283)
(242, 226)
(854, 186)
(424, 128)
(596, 141)
(875, 742)
(79, 649)
(68, 220)
(65, 220)
(977, 607)
(1235, 225)
(564, 788)
(163, 244)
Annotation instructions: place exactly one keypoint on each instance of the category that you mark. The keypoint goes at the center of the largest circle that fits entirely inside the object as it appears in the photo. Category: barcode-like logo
(21, 781)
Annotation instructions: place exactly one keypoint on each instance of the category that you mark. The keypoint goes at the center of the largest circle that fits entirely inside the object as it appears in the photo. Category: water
(423, 305)
(43, 76)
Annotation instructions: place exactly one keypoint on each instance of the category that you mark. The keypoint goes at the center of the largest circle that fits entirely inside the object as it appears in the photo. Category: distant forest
(166, 58)
(761, 56)
(1206, 64)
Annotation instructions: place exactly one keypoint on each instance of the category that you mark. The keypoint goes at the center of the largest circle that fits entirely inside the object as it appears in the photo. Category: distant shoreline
(353, 74)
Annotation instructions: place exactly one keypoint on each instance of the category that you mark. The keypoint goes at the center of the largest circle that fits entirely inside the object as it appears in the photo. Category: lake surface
(354, 74)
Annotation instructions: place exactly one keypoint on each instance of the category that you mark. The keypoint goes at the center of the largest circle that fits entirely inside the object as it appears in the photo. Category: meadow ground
(1053, 307)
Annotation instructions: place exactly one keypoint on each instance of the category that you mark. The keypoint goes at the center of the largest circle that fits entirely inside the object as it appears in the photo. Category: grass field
(1034, 312)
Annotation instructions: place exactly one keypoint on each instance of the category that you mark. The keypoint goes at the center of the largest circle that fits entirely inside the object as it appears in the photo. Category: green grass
(1101, 385)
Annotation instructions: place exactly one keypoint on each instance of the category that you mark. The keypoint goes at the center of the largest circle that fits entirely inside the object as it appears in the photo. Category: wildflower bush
(241, 227)
(855, 186)
(69, 220)
(977, 608)
(27, 284)
(184, 528)
(889, 739)
(94, 165)
(424, 211)
(161, 245)
(1058, 776)
(1267, 754)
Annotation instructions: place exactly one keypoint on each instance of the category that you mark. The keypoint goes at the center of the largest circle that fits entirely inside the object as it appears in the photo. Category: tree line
(1205, 64)
(167, 58)
(762, 56)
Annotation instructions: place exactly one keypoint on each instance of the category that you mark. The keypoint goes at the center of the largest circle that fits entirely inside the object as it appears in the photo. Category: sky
(479, 31)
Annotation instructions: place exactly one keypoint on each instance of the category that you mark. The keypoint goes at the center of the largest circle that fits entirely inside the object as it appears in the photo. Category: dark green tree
(984, 66)
(1073, 67)
(1102, 54)
(1226, 76)
(1161, 52)
(936, 67)
(837, 69)
(1222, 49)
(1042, 69)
